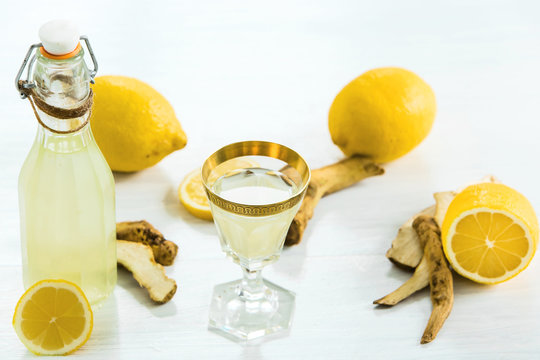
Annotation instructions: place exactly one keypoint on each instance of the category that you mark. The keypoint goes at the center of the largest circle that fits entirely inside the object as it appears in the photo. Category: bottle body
(67, 213)
(66, 189)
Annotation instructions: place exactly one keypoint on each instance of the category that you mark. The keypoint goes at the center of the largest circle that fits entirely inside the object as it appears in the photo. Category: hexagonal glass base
(244, 317)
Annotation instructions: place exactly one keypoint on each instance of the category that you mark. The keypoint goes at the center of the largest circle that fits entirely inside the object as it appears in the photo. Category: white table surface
(237, 70)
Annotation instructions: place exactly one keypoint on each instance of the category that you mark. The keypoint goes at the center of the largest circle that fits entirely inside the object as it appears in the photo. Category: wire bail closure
(23, 86)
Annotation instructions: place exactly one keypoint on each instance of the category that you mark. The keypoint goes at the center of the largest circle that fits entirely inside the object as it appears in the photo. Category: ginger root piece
(325, 181)
(440, 276)
(142, 231)
(442, 202)
(406, 249)
(139, 260)
(418, 281)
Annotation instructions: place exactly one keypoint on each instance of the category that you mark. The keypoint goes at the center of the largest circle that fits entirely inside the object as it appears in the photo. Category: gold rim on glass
(256, 148)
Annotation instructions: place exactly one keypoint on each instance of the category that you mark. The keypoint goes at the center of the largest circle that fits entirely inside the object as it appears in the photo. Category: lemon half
(53, 317)
(489, 233)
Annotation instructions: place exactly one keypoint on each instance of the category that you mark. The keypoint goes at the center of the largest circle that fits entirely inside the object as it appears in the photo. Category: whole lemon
(384, 113)
(134, 125)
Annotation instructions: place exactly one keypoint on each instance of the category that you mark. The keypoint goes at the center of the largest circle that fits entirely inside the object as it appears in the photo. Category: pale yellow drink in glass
(253, 207)
(249, 237)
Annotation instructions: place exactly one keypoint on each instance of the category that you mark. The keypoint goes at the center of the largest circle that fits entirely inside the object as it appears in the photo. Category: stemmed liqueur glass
(255, 189)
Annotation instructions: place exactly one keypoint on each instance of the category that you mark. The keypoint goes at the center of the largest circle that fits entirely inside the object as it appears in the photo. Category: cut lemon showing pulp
(193, 197)
(489, 233)
(53, 317)
(191, 191)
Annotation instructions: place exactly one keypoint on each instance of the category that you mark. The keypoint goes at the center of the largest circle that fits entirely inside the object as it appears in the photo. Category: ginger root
(406, 249)
(418, 281)
(418, 245)
(142, 231)
(442, 202)
(139, 260)
(325, 181)
(440, 276)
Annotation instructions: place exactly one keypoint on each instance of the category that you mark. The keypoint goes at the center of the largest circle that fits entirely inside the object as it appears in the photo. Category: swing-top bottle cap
(59, 37)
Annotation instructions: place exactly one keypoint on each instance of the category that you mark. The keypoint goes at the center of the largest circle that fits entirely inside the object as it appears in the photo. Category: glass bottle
(66, 188)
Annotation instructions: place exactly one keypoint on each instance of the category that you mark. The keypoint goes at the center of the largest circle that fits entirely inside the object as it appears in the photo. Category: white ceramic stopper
(59, 37)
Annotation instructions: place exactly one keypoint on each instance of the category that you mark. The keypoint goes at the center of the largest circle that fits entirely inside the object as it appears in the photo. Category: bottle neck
(63, 84)
(62, 125)
(64, 143)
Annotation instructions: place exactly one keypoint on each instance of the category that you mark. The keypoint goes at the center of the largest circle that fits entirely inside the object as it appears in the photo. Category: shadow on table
(106, 321)
(252, 348)
(292, 258)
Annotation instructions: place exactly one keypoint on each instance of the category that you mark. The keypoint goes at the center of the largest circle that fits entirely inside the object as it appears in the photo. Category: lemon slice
(191, 191)
(53, 317)
(192, 195)
(489, 233)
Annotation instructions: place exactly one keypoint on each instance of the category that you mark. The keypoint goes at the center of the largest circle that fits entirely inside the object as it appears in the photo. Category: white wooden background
(237, 70)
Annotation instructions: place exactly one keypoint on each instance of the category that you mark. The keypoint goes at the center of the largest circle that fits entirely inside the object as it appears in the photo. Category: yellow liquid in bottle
(68, 226)
(248, 238)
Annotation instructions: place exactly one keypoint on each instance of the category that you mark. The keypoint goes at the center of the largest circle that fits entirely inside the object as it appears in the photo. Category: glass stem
(252, 287)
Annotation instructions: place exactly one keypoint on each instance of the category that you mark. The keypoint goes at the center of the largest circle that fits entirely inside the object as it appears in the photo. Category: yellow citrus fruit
(53, 317)
(191, 191)
(384, 113)
(489, 233)
(193, 196)
(134, 125)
